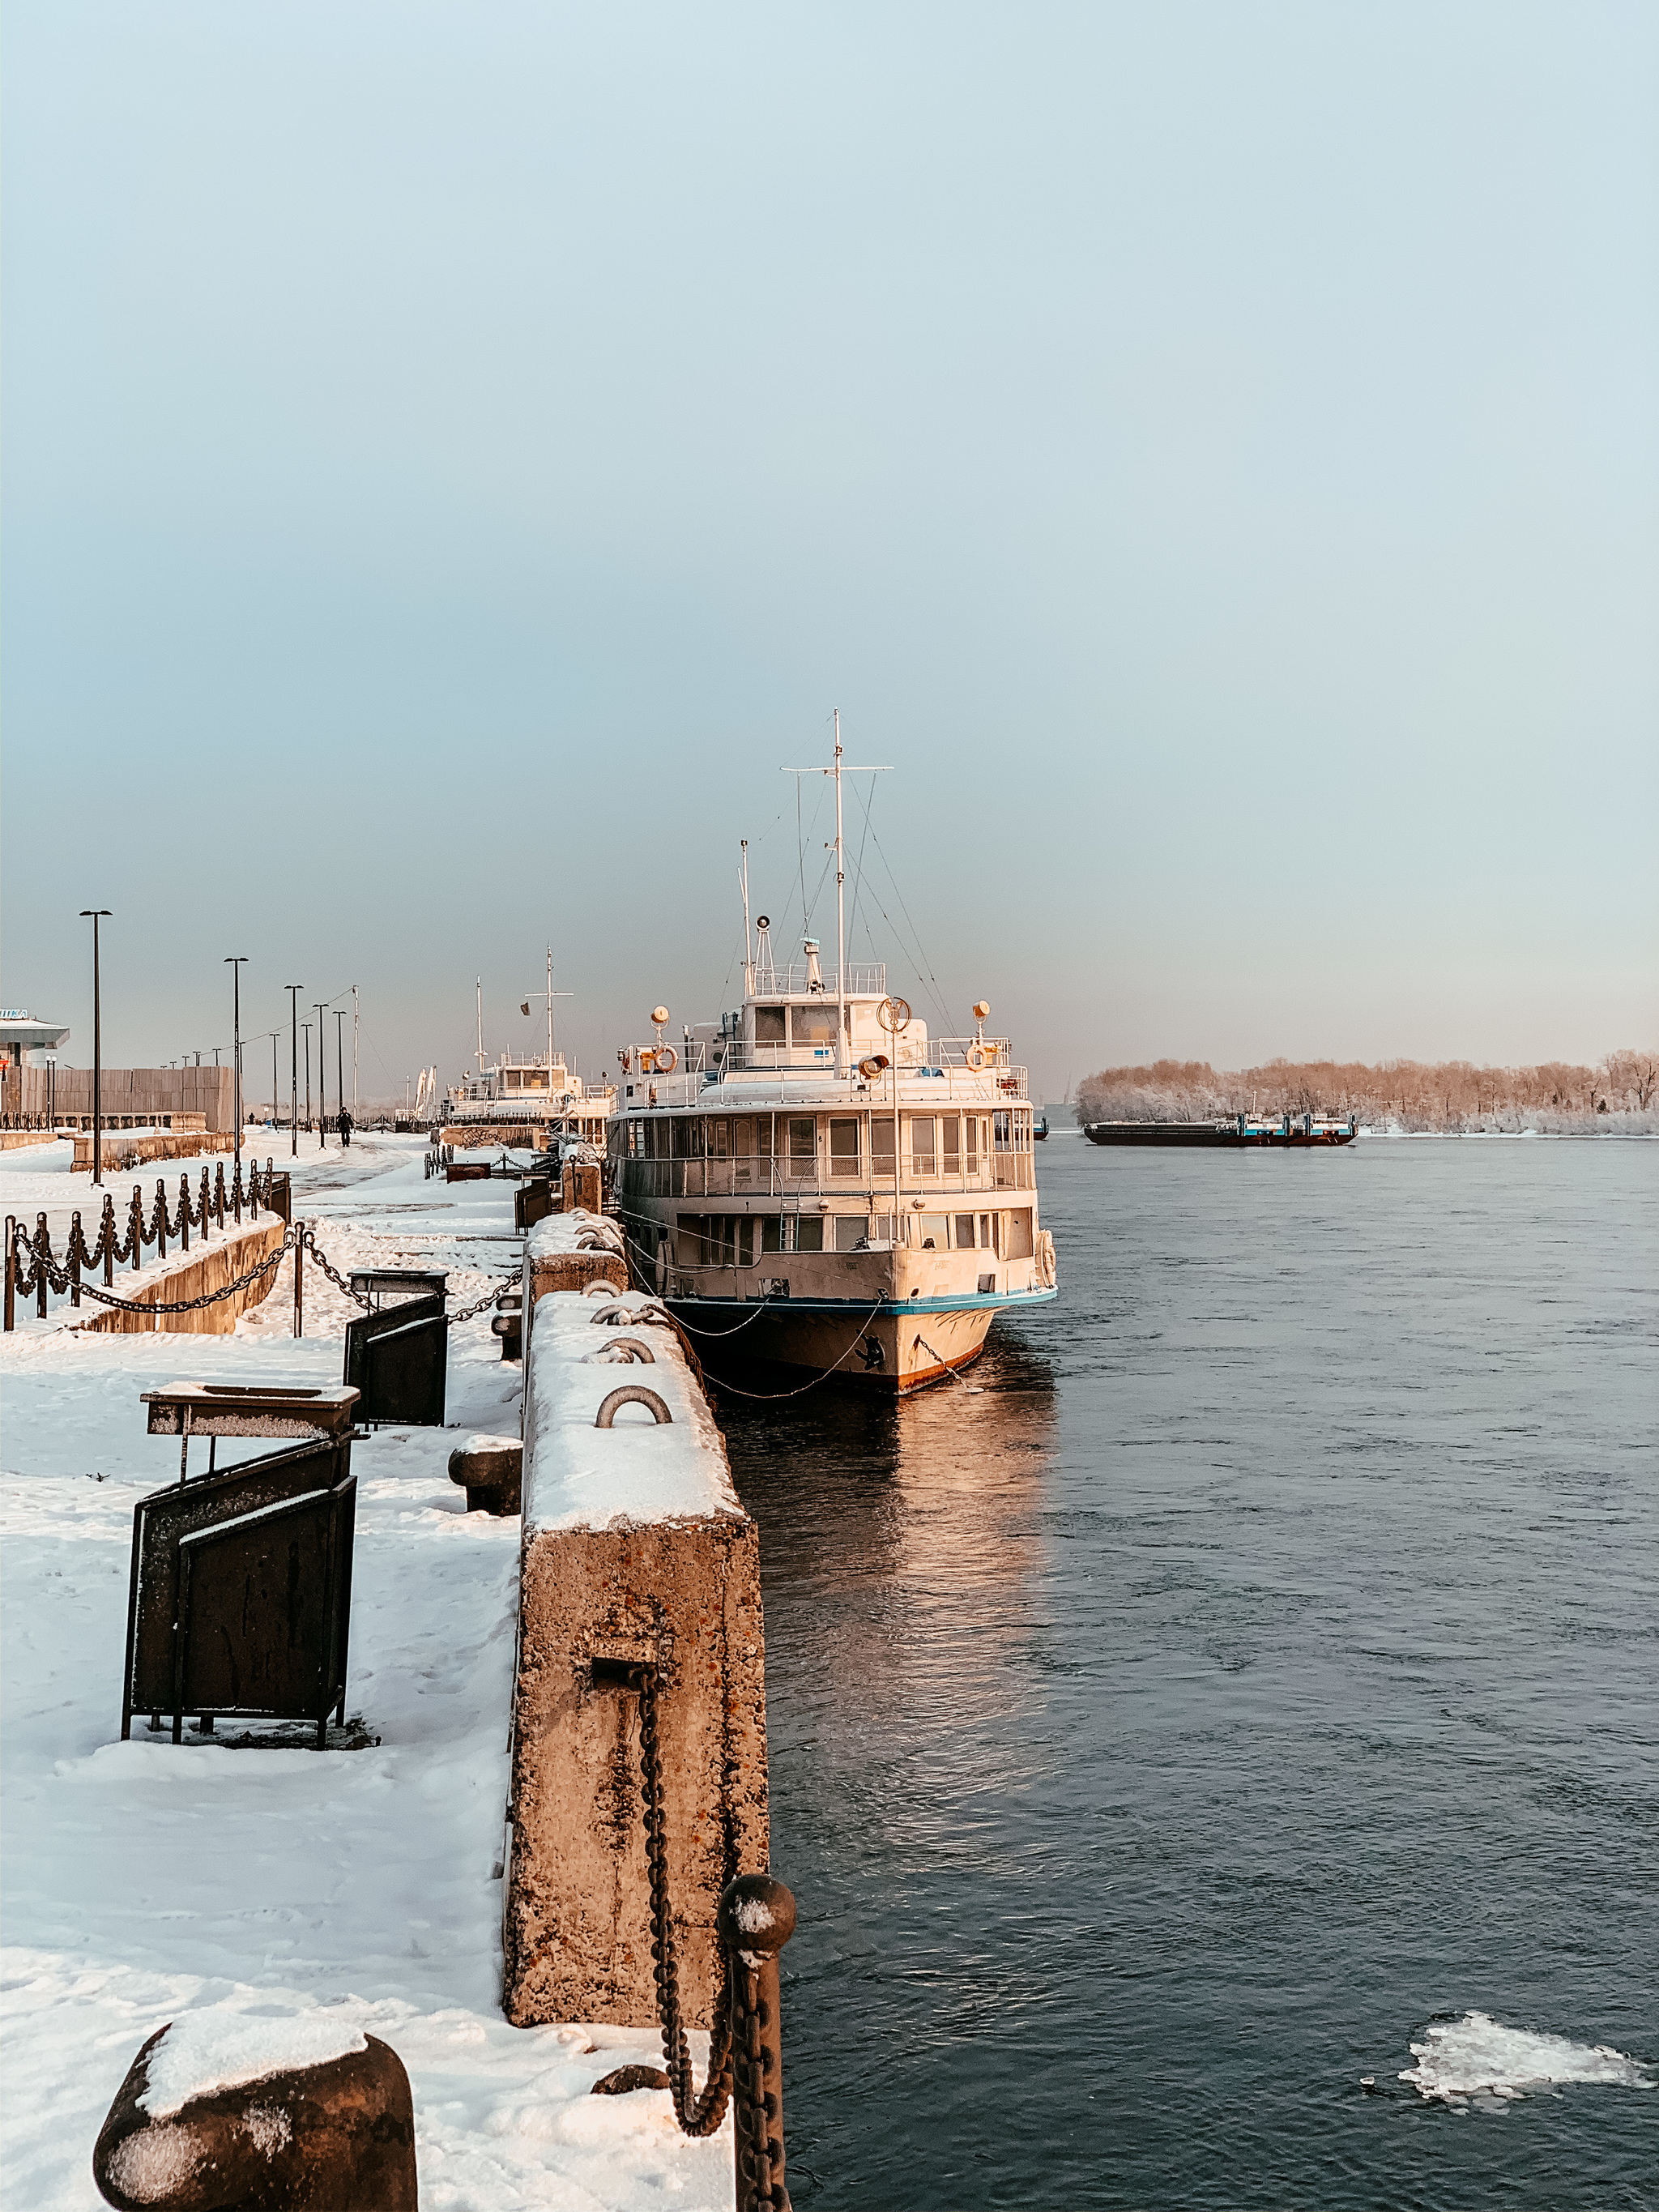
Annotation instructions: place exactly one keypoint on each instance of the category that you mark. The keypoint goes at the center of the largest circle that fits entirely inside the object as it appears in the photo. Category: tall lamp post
(95, 914)
(274, 1035)
(294, 990)
(322, 1079)
(236, 962)
(306, 1026)
(339, 1054)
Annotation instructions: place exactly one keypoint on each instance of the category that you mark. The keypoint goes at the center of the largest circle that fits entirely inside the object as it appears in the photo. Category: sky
(455, 459)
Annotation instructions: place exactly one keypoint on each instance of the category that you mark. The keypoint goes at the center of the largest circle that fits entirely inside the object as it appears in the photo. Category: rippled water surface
(1260, 1664)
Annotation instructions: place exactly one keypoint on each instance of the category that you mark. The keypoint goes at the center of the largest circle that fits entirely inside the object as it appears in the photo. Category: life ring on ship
(894, 1015)
(871, 1067)
(667, 1059)
(977, 1057)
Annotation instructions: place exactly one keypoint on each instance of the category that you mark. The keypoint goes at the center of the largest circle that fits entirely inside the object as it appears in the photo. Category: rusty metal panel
(399, 1360)
(386, 1286)
(230, 1409)
(162, 1523)
(263, 1603)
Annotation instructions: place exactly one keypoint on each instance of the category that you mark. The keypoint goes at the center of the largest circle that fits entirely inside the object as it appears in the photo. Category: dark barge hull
(1215, 1137)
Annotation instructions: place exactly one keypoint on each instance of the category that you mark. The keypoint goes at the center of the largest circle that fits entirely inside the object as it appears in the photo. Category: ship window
(746, 1240)
(843, 1147)
(922, 1155)
(851, 1231)
(743, 1139)
(881, 1142)
(803, 1146)
(933, 1232)
(813, 1024)
(771, 1232)
(985, 1232)
(996, 1234)
(1002, 1127)
(809, 1233)
(719, 1137)
(952, 1144)
(964, 1226)
(688, 1137)
(768, 1030)
(1016, 1235)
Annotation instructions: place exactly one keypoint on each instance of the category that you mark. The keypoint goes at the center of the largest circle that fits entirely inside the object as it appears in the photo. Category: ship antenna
(841, 897)
(748, 962)
(480, 990)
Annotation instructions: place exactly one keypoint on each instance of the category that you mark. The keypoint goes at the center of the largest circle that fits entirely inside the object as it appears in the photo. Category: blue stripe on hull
(964, 1302)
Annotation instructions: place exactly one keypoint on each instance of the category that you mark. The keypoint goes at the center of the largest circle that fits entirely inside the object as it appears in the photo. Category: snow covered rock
(219, 2110)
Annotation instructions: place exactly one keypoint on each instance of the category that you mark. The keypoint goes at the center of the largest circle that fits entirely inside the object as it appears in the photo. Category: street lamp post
(322, 1079)
(306, 1026)
(339, 1054)
(236, 962)
(95, 914)
(294, 991)
(274, 1035)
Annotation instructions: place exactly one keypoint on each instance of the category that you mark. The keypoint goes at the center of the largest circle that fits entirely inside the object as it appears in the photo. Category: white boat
(534, 1102)
(814, 1185)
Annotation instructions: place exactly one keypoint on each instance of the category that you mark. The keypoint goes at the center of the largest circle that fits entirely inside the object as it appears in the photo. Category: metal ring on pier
(628, 1348)
(631, 1394)
(644, 1317)
(600, 1289)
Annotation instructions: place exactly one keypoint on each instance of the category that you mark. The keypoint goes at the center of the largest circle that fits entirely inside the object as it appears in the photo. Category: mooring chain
(189, 1305)
(309, 1239)
(702, 2114)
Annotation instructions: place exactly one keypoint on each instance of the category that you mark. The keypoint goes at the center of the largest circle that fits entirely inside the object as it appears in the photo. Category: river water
(1257, 1668)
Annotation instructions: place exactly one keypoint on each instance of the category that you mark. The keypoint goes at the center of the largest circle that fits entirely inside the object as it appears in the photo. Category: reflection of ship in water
(904, 1550)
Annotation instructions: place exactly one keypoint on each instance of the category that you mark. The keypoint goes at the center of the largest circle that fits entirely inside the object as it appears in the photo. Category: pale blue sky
(455, 455)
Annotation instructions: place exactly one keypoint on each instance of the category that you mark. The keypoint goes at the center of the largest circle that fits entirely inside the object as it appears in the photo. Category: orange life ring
(976, 1057)
(667, 1059)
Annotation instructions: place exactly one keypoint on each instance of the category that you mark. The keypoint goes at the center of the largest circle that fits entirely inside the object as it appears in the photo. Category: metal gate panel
(163, 1521)
(399, 1360)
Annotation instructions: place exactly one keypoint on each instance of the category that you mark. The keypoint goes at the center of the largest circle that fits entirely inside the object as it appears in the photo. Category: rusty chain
(308, 1236)
(702, 2115)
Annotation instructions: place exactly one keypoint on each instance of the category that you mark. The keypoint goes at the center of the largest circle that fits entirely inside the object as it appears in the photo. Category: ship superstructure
(533, 1102)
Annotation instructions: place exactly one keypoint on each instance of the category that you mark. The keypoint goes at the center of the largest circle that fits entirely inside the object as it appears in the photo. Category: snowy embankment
(143, 1882)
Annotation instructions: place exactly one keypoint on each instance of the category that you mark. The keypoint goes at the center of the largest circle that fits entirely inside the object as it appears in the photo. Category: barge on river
(1239, 1132)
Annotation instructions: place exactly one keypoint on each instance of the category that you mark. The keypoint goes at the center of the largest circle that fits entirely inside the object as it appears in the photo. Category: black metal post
(339, 1054)
(756, 1919)
(96, 914)
(236, 962)
(306, 1026)
(322, 1080)
(294, 990)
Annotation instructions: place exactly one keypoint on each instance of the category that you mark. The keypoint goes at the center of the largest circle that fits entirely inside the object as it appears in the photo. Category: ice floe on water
(1477, 2063)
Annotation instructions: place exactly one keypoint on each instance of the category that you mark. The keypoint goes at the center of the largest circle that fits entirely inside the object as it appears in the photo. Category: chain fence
(33, 1269)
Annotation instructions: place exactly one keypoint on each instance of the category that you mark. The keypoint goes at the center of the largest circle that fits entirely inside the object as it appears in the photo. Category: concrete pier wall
(636, 1552)
(204, 1267)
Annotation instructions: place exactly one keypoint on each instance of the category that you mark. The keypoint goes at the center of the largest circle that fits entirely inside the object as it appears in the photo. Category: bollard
(757, 1919)
(298, 1279)
(76, 1244)
(42, 1246)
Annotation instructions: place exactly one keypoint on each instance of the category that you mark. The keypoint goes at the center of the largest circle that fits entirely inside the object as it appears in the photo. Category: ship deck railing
(757, 1177)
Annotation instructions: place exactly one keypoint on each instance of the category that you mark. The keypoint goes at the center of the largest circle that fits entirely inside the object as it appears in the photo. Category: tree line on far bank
(1556, 1096)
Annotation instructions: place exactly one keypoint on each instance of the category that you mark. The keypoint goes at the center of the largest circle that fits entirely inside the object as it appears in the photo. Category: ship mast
(550, 1023)
(840, 924)
(480, 991)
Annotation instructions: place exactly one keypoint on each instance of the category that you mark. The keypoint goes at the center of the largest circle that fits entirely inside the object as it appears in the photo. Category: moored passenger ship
(814, 1185)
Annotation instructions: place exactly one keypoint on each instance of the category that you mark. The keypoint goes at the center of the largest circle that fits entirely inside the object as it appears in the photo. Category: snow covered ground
(142, 1882)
